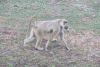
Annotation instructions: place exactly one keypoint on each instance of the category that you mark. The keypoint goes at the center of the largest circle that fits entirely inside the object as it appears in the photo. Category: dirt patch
(84, 38)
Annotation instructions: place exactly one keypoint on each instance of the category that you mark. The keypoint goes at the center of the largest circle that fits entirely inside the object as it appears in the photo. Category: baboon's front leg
(63, 40)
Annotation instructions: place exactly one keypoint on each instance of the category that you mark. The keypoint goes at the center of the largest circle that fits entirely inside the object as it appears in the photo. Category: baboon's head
(64, 23)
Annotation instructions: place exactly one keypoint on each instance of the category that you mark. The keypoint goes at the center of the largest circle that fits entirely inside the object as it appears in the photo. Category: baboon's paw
(67, 48)
(39, 48)
(24, 45)
(46, 50)
(54, 40)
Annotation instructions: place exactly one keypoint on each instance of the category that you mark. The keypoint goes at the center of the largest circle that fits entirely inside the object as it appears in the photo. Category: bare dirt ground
(85, 48)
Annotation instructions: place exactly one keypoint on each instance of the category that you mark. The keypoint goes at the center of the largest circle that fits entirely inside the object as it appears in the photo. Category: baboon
(52, 28)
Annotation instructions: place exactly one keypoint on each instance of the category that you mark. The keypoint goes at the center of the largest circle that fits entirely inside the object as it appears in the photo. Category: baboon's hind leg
(38, 44)
(30, 38)
(49, 41)
(39, 40)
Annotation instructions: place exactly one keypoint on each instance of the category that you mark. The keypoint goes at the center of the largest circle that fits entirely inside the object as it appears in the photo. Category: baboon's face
(65, 25)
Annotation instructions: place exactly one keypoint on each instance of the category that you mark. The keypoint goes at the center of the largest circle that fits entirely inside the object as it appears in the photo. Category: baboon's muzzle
(66, 27)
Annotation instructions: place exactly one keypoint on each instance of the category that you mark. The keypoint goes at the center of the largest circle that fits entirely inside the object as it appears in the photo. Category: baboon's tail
(36, 21)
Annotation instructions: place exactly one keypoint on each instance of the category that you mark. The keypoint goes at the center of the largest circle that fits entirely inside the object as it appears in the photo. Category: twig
(4, 53)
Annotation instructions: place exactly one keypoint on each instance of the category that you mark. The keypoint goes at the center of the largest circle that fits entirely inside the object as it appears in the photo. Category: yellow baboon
(53, 28)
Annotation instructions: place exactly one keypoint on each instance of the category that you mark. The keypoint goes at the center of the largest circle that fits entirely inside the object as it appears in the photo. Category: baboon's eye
(65, 22)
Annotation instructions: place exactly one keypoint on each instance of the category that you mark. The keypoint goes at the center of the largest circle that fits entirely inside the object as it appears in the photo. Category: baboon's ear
(60, 20)
(61, 23)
